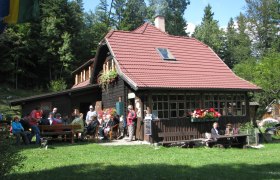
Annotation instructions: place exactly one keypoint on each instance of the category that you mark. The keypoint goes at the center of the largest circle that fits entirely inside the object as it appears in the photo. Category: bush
(9, 156)
(57, 85)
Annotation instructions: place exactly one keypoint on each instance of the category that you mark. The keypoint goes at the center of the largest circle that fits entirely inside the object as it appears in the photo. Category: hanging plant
(107, 77)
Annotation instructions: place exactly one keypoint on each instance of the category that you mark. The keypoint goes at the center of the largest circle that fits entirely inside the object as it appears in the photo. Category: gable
(196, 65)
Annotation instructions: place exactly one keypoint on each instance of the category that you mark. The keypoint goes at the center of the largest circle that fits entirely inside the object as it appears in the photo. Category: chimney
(160, 23)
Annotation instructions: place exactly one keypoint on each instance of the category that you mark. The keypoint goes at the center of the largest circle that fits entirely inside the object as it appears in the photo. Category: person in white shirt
(90, 113)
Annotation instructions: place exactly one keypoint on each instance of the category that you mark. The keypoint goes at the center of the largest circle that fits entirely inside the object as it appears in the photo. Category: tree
(237, 42)
(134, 15)
(209, 33)
(118, 15)
(61, 20)
(230, 44)
(173, 11)
(263, 24)
(267, 74)
(242, 49)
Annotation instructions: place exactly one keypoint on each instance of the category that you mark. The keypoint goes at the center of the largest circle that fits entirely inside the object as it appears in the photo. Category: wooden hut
(80, 96)
(173, 76)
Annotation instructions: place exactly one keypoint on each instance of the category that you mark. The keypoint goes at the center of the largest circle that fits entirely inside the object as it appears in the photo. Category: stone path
(122, 142)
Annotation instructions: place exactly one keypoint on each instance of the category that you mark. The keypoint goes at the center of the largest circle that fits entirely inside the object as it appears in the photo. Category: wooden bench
(64, 130)
(183, 139)
(224, 141)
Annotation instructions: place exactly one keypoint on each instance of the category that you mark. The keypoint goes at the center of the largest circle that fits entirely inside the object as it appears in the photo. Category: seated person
(92, 124)
(25, 122)
(215, 132)
(229, 129)
(57, 119)
(18, 131)
(79, 120)
(54, 120)
(111, 122)
(44, 120)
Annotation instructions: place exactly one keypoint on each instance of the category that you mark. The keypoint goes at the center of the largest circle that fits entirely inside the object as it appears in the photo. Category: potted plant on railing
(204, 115)
(107, 77)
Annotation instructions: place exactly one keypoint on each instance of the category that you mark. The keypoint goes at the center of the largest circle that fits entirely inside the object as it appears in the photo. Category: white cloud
(190, 28)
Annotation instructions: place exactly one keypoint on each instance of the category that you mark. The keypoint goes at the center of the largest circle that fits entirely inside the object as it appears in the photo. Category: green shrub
(57, 85)
(9, 156)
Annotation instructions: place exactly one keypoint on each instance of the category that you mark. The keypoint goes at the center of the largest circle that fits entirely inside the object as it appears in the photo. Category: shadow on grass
(156, 171)
(9, 156)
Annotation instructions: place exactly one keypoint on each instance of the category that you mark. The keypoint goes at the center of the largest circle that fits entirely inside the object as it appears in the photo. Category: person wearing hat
(90, 113)
(229, 129)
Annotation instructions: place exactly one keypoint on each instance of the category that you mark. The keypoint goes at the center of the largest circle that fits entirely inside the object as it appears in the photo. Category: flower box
(203, 119)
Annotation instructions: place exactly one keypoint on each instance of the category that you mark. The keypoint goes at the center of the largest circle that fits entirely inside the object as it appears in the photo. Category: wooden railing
(185, 125)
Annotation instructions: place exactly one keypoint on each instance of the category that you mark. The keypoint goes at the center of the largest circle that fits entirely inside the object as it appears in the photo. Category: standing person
(130, 122)
(90, 113)
(54, 111)
(35, 117)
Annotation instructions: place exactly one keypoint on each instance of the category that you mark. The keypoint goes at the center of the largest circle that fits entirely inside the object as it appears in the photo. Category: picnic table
(236, 140)
(182, 139)
(67, 131)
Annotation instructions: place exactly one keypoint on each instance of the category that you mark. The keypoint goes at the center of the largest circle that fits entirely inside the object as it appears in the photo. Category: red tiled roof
(82, 84)
(196, 65)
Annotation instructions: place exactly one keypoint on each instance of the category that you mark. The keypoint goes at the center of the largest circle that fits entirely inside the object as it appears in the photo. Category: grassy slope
(93, 161)
(7, 94)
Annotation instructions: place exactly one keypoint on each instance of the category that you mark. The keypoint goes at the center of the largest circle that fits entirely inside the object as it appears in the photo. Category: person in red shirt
(130, 122)
(34, 118)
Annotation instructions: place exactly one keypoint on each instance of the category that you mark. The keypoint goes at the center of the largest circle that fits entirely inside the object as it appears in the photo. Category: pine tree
(118, 15)
(173, 12)
(263, 24)
(134, 15)
(209, 32)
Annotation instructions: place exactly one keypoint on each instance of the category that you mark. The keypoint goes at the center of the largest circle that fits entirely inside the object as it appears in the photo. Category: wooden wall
(185, 125)
(66, 102)
(62, 102)
(111, 95)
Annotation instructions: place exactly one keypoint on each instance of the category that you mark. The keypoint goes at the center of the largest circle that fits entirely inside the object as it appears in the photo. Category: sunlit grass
(85, 161)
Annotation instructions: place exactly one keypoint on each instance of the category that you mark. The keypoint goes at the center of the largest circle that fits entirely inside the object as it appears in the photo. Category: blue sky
(223, 10)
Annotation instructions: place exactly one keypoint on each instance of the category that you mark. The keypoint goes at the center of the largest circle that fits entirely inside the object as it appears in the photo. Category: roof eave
(46, 95)
(201, 89)
(129, 81)
(84, 65)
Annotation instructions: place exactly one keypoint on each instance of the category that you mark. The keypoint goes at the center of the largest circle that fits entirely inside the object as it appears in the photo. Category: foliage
(246, 69)
(237, 42)
(268, 74)
(9, 156)
(263, 25)
(118, 14)
(247, 126)
(57, 85)
(173, 11)
(107, 77)
(134, 15)
(208, 31)
(146, 162)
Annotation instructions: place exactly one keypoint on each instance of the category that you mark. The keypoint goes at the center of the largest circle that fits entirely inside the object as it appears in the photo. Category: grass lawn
(93, 161)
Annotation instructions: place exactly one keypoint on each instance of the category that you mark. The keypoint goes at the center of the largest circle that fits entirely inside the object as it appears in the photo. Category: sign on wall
(148, 125)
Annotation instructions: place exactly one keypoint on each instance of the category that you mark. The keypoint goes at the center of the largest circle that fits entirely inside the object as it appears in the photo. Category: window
(226, 104)
(165, 54)
(160, 106)
(179, 105)
(193, 101)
